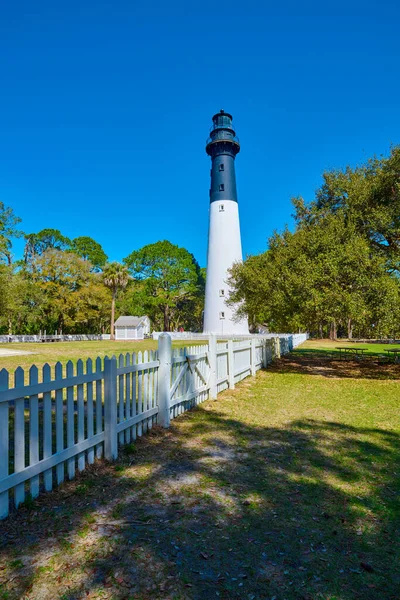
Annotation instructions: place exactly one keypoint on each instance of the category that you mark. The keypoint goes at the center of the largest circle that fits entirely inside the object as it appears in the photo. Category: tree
(169, 277)
(188, 311)
(4, 297)
(339, 271)
(88, 249)
(73, 299)
(271, 288)
(8, 230)
(369, 195)
(322, 277)
(115, 278)
(46, 239)
(22, 302)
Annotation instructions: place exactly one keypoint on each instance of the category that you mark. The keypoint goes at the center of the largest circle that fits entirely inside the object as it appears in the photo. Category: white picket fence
(35, 338)
(64, 419)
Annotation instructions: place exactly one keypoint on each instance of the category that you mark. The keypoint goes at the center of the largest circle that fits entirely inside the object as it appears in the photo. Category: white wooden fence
(65, 418)
(35, 338)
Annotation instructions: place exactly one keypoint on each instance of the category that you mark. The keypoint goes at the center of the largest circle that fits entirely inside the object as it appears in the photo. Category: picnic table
(50, 338)
(395, 352)
(350, 352)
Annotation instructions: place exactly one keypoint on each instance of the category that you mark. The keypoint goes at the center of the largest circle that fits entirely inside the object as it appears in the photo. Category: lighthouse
(224, 243)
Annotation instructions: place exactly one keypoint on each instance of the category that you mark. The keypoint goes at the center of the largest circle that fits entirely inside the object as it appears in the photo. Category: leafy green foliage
(71, 297)
(8, 229)
(88, 249)
(338, 270)
(21, 302)
(169, 285)
(59, 284)
(369, 195)
(115, 278)
(46, 239)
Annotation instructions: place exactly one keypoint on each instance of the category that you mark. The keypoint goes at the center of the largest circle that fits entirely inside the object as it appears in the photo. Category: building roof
(127, 321)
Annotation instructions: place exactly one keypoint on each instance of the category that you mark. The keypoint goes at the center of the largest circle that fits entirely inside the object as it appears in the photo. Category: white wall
(126, 333)
(146, 325)
(120, 333)
(224, 248)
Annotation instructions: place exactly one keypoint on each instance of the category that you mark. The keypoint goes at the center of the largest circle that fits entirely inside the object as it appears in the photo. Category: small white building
(132, 328)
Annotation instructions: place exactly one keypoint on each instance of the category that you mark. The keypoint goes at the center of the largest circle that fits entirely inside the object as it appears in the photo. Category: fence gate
(190, 378)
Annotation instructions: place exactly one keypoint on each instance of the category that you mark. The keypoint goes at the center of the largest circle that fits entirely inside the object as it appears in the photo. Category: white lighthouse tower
(224, 244)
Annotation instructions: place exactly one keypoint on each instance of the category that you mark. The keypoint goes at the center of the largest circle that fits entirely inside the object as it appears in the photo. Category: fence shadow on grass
(217, 508)
(319, 364)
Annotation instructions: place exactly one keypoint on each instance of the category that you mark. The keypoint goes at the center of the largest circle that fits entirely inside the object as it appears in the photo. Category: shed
(132, 328)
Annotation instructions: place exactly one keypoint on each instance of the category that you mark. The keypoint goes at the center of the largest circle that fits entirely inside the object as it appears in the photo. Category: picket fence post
(253, 356)
(277, 344)
(164, 379)
(4, 443)
(110, 409)
(212, 357)
(264, 354)
(231, 365)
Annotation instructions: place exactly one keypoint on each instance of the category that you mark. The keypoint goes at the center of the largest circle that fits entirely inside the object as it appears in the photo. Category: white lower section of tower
(224, 248)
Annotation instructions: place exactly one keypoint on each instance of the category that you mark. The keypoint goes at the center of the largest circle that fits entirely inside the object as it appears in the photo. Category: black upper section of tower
(222, 138)
(222, 146)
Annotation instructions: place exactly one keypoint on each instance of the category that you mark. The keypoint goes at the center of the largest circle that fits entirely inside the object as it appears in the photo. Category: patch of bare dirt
(334, 368)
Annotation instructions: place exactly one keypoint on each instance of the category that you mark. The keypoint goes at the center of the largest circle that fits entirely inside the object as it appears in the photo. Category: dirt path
(9, 352)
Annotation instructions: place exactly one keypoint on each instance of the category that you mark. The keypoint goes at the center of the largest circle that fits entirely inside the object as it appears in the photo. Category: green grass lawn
(322, 346)
(285, 488)
(65, 351)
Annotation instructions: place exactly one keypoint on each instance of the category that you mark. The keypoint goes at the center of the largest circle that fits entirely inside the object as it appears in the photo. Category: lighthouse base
(230, 328)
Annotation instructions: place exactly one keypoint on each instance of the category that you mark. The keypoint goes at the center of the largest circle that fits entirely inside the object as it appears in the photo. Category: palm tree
(115, 277)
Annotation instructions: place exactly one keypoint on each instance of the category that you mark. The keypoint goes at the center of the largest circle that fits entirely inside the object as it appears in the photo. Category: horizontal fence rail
(55, 422)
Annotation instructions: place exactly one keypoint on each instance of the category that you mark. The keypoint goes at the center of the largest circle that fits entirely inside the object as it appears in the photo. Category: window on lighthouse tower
(222, 167)
(221, 187)
(221, 208)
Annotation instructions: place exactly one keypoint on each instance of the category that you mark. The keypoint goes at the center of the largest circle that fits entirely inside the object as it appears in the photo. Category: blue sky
(105, 108)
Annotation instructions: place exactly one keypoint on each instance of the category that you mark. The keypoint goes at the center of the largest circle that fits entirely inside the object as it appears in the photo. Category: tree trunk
(321, 333)
(166, 318)
(112, 336)
(349, 329)
(9, 327)
(333, 331)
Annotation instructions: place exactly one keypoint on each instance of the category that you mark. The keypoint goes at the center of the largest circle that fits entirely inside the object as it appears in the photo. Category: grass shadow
(312, 362)
(217, 507)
